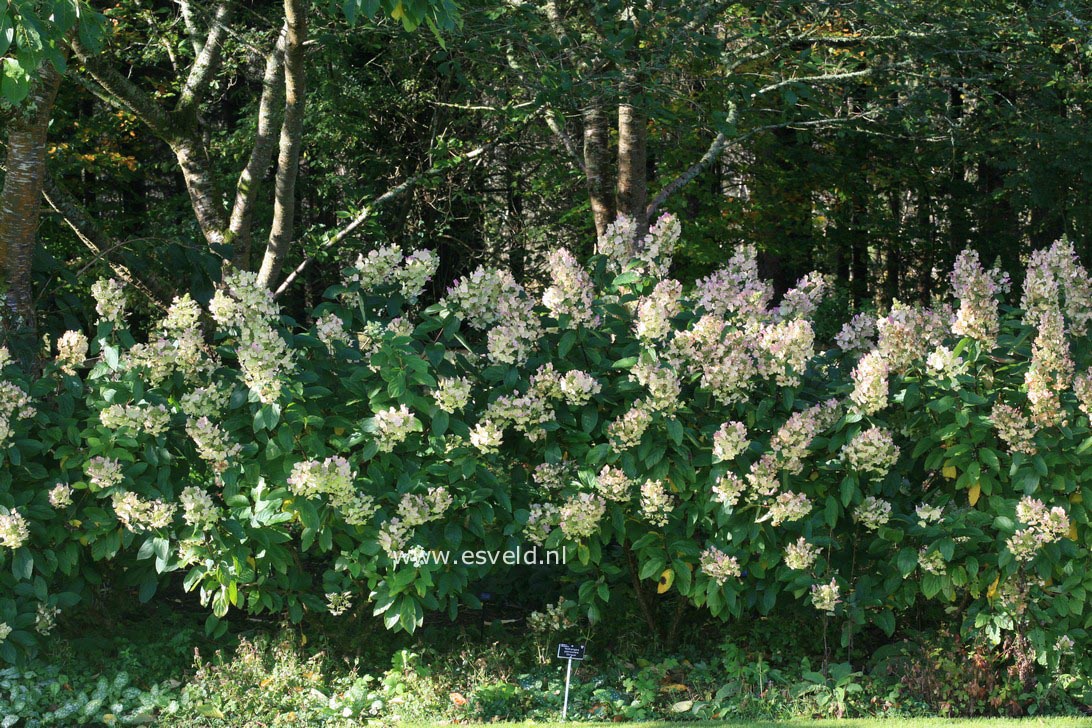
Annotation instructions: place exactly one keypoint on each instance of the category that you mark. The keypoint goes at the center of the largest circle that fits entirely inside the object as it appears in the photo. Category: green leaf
(14, 81)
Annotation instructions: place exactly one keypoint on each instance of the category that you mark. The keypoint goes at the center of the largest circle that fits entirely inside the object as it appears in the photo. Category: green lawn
(806, 723)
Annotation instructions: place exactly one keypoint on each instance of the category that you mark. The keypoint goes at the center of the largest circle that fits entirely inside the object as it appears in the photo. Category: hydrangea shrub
(934, 453)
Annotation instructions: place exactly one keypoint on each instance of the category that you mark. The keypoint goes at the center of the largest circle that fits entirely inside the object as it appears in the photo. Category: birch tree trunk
(21, 200)
(288, 160)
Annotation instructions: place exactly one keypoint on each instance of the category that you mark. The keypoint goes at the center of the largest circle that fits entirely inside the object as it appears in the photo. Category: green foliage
(276, 483)
(33, 31)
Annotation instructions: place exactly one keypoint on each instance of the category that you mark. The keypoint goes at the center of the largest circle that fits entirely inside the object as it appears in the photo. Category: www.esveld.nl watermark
(510, 557)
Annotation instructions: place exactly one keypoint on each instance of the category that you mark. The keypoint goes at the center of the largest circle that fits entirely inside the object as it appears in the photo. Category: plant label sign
(570, 652)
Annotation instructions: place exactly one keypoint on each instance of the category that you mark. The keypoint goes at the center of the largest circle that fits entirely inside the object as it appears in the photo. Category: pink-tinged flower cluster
(661, 383)
(1044, 525)
(205, 401)
(1051, 371)
(393, 425)
(802, 301)
(976, 290)
(784, 350)
(151, 419)
(516, 334)
(872, 451)
(826, 597)
(1082, 387)
(719, 566)
(656, 503)
(788, 507)
(416, 510)
(417, 270)
(110, 302)
(452, 393)
(728, 489)
(729, 441)
(580, 515)
(720, 355)
(330, 330)
(613, 484)
(1014, 428)
(872, 513)
(627, 431)
(792, 440)
(139, 515)
(213, 444)
(71, 351)
(249, 309)
(945, 365)
(870, 385)
(905, 333)
(387, 266)
(651, 254)
(579, 387)
(14, 404)
(487, 437)
(313, 478)
(763, 477)
(478, 297)
(655, 311)
(103, 473)
(1054, 272)
(554, 476)
(800, 555)
(736, 289)
(528, 412)
(572, 293)
(857, 334)
(543, 518)
(14, 530)
(198, 508)
(60, 495)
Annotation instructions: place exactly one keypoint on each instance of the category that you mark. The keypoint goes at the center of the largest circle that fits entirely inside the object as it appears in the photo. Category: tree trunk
(597, 166)
(633, 164)
(202, 189)
(288, 160)
(21, 200)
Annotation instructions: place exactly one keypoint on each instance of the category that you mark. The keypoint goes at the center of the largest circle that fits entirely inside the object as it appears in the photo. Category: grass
(808, 723)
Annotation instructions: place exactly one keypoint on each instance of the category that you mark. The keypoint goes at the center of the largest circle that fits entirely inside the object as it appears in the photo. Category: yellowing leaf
(1076, 497)
(398, 12)
(974, 493)
(993, 588)
(1072, 531)
(674, 687)
(339, 431)
(949, 472)
(666, 580)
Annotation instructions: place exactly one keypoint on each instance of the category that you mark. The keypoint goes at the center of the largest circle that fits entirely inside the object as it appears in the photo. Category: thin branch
(208, 60)
(284, 200)
(391, 194)
(556, 125)
(91, 235)
(711, 155)
(124, 93)
(270, 110)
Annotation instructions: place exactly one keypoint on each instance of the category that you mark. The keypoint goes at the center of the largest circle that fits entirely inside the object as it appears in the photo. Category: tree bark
(21, 200)
(633, 164)
(270, 111)
(284, 206)
(597, 166)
